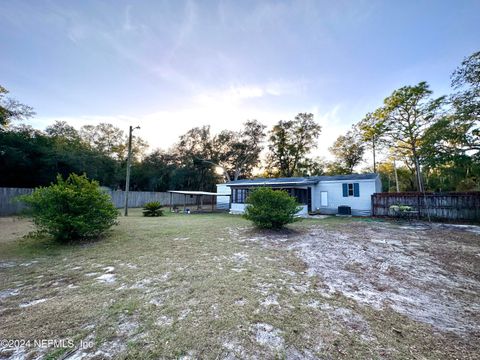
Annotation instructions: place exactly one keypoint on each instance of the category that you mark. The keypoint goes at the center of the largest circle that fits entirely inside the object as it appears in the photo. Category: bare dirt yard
(211, 286)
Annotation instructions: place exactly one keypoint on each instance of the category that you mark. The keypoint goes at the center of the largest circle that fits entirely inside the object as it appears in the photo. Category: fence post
(418, 206)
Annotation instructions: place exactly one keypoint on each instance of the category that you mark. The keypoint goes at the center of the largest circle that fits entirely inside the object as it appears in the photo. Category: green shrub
(271, 209)
(71, 209)
(400, 208)
(153, 208)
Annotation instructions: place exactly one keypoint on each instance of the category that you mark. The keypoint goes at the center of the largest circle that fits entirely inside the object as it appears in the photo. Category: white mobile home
(316, 194)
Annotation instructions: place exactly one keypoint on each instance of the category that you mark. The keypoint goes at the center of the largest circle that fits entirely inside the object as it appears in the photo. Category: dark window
(350, 189)
(240, 195)
(300, 194)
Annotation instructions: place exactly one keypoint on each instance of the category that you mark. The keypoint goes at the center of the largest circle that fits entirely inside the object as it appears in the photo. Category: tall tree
(11, 109)
(112, 141)
(371, 129)
(30, 158)
(155, 172)
(238, 152)
(452, 144)
(466, 103)
(193, 148)
(62, 130)
(387, 170)
(406, 115)
(290, 143)
(106, 139)
(349, 149)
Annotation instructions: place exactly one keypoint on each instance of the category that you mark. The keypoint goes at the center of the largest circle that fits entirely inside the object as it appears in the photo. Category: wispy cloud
(236, 94)
(127, 25)
(162, 128)
(185, 29)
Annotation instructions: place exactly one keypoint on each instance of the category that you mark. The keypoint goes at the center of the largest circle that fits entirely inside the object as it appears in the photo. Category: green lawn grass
(190, 286)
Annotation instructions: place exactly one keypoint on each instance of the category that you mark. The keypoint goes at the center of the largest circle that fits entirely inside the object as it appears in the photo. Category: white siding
(361, 206)
(223, 202)
(237, 208)
(304, 211)
(240, 209)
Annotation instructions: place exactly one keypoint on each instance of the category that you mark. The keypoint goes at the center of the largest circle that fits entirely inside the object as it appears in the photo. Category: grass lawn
(211, 286)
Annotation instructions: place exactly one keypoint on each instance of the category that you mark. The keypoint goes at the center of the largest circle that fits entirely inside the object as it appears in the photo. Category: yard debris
(399, 332)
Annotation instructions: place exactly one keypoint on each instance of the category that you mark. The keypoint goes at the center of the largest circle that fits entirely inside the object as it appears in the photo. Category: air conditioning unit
(344, 210)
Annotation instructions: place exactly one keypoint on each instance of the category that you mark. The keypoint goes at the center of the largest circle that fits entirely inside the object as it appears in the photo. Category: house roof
(369, 176)
(300, 181)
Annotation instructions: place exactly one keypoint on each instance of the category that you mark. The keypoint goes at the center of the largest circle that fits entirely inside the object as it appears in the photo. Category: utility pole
(373, 148)
(129, 156)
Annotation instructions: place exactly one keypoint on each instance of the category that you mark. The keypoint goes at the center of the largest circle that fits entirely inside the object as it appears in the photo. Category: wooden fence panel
(139, 198)
(442, 206)
(9, 206)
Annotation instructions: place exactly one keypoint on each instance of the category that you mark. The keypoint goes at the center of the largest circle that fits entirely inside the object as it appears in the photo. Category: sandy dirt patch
(410, 270)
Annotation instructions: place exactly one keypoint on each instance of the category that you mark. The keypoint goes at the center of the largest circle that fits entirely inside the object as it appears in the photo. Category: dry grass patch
(210, 286)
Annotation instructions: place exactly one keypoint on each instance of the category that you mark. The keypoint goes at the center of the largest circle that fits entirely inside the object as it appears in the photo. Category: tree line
(424, 143)
(434, 141)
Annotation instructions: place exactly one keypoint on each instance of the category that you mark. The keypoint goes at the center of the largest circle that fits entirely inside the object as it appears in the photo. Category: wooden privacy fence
(460, 206)
(8, 205)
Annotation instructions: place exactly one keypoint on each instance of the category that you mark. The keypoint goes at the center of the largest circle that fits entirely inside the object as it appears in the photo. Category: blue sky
(171, 65)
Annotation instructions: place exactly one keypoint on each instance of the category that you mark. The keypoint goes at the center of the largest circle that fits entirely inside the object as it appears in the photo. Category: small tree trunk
(396, 176)
(419, 175)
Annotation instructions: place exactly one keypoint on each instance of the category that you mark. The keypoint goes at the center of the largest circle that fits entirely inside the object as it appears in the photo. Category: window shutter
(345, 190)
(356, 189)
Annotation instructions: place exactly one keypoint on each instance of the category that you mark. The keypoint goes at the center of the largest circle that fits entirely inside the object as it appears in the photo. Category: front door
(324, 199)
(309, 199)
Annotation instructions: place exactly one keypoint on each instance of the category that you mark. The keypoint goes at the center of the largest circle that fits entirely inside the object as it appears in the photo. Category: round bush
(71, 209)
(271, 209)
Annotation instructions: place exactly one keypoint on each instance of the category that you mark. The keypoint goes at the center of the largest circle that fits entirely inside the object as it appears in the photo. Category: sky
(168, 66)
